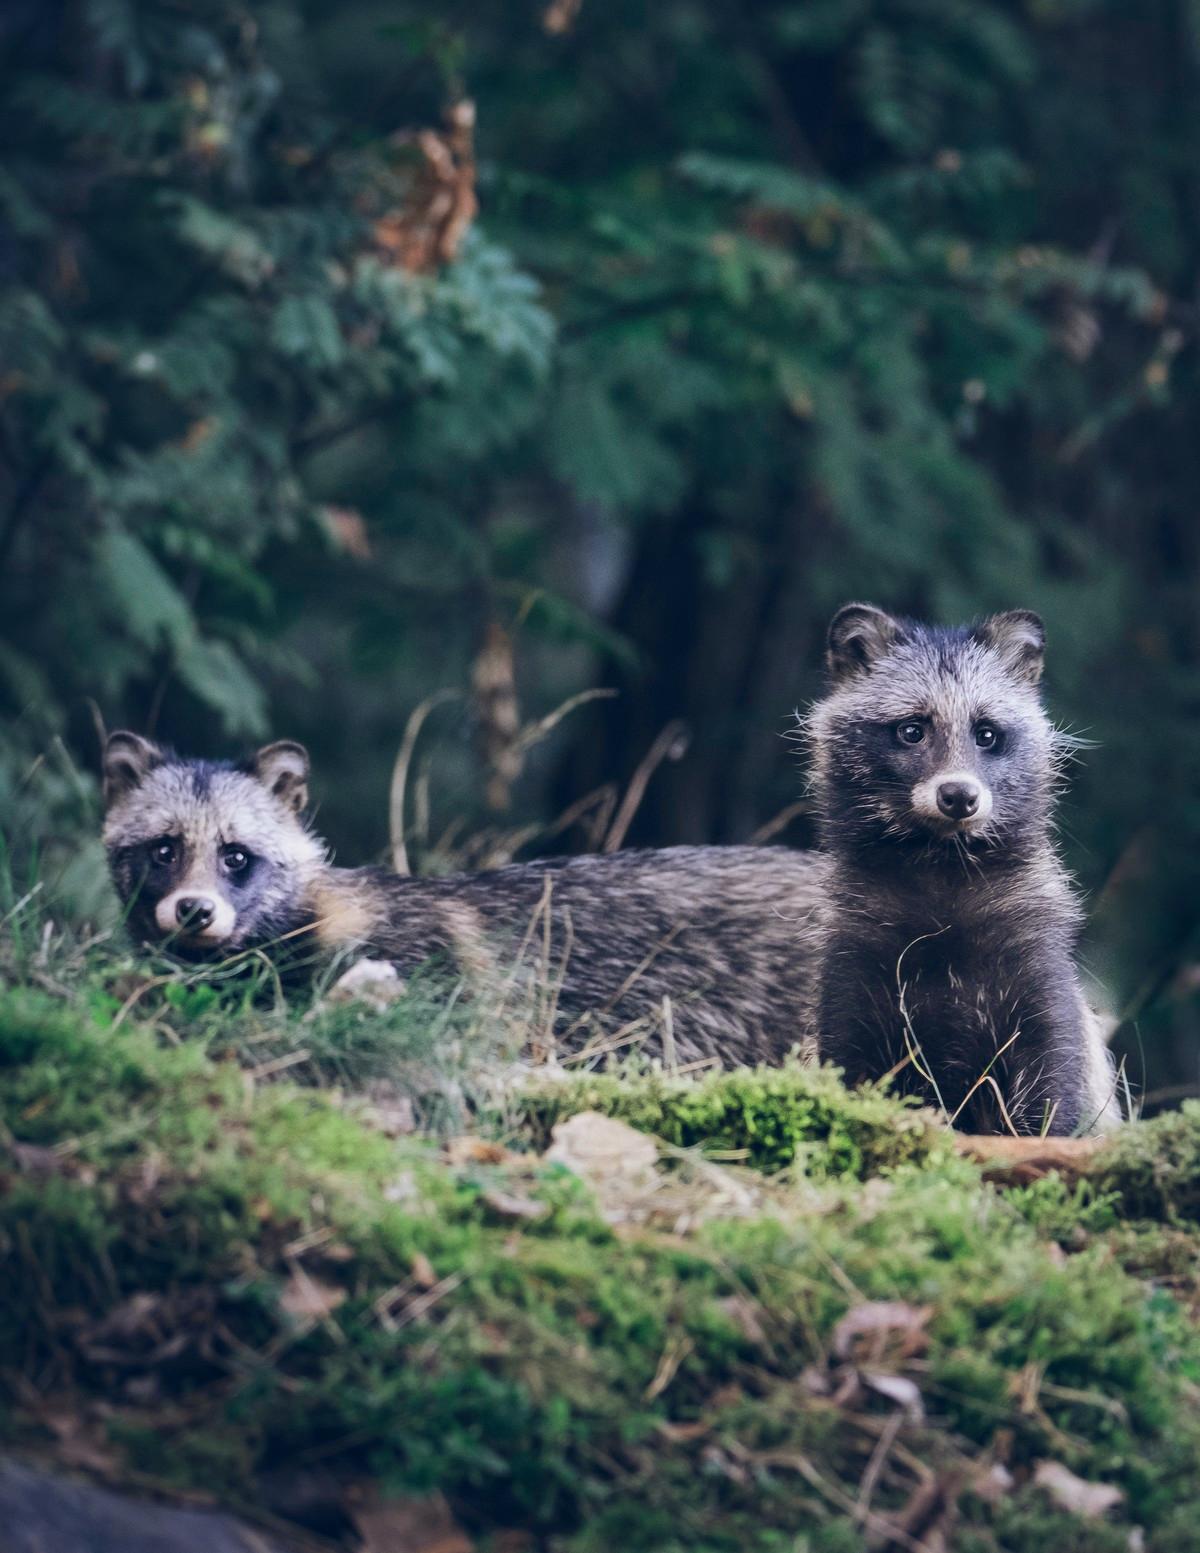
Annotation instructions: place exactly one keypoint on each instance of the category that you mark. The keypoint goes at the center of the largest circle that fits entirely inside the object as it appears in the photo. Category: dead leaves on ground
(872, 1377)
(1091, 1501)
(423, 1525)
(306, 1300)
(638, 1183)
(878, 1328)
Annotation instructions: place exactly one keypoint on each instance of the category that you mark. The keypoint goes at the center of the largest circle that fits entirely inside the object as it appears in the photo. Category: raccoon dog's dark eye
(162, 853)
(987, 736)
(911, 732)
(235, 859)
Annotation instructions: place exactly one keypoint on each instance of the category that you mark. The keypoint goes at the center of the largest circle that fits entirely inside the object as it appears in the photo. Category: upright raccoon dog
(950, 925)
(214, 858)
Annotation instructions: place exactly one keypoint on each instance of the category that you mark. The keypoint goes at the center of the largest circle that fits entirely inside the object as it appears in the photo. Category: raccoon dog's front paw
(374, 982)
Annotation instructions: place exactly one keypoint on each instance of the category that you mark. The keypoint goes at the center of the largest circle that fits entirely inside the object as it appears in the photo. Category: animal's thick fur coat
(704, 951)
(949, 925)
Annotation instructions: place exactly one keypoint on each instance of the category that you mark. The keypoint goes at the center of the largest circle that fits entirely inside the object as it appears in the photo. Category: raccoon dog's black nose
(958, 800)
(195, 911)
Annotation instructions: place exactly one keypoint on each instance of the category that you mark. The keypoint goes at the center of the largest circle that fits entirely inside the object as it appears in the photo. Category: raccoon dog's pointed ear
(1019, 637)
(282, 768)
(127, 760)
(858, 635)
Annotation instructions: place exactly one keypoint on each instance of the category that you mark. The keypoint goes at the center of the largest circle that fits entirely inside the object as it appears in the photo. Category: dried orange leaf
(881, 1317)
(308, 1299)
(410, 1526)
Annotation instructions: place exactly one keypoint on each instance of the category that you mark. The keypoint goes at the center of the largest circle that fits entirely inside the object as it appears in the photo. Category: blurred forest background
(354, 352)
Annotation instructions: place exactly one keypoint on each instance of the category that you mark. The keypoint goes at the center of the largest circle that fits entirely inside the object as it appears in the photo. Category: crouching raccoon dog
(213, 858)
(949, 924)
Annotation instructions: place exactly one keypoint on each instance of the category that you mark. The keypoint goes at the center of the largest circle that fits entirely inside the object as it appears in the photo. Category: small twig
(534, 733)
(670, 1060)
(879, 1456)
(1170, 1092)
(603, 798)
(400, 775)
(278, 1064)
(832, 1492)
(671, 743)
(915, 1054)
(697, 1066)
(781, 821)
(999, 1053)
(673, 1355)
(303, 1243)
(135, 996)
(21, 904)
(631, 980)
(603, 1046)
(422, 1304)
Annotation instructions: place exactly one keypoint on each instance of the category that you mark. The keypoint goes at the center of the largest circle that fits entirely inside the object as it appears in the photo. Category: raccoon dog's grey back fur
(708, 948)
(950, 925)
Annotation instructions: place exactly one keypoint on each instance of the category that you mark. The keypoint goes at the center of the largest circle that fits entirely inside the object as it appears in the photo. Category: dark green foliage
(764, 307)
(194, 307)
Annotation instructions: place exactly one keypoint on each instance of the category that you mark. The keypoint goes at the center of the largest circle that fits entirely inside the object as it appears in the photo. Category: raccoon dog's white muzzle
(955, 799)
(196, 913)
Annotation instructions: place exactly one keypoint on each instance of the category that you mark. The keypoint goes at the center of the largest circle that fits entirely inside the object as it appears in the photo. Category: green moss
(1153, 1168)
(770, 1117)
(648, 1383)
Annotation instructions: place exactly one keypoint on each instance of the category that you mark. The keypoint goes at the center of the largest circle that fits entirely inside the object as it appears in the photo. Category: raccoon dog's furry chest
(968, 1000)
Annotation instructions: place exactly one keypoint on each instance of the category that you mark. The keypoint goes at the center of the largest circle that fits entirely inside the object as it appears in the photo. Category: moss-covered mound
(1154, 1169)
(768, 1117)
(237, 1285)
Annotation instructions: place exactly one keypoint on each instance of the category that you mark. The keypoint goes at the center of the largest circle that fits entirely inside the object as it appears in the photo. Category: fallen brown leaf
(409, 1526)
(683, 1433)
(469, 1150)
(881, 1320)
(306, 1299)
(422, 1270)
(1092, 1501)
(746, 1314)
(559, 16)
(79, 1444)
(513, 1205)
(899, 1389)
(348, 529)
